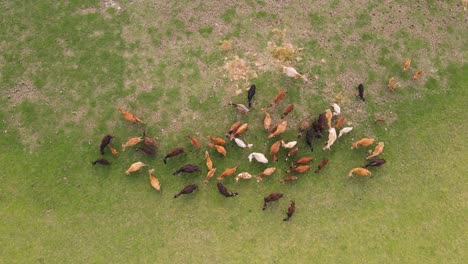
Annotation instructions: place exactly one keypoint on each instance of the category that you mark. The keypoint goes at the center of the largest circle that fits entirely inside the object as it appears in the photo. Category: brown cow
(299, 169)
(135, 167)
(239, 131)
(194, 141)
(275, 149)
(288, 110)
(226, 173)
(278, 98)
(233, 128)
(209, 175)
(304, 125)
(267, 120)
(130, 117)
(149, 141)
(363, 142)
(131, 142)
(340, 122)
(279, 130)
(220, 149)
(153, 180)
(328, 116)
(377, 151)
(209, 163)
(288, 179)
(360, 171)
(216, 140)
(302, 161)
(292, 152)
(266, 172)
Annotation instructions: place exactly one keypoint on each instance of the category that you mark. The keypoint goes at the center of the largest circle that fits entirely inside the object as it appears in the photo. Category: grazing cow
(187, 189)
(241, 108)
(291, 72)
(266, 172)
(328, 116)
(288, 145)
(288, 110)
(216, 140)
(258, 156)
(250, 94)
(149, 141)
(345, 130)
(135, 167)
(336, 109)
(131, 142)
(226, 173)
(301, 161)
(288, 179)
(153, 180)
(309, 137)
(243, 175)
(194, 141)
(340, 122)
(101, 161)
(113, 150)
(172, 153)
(130, 117)
(147, 150)
(406, 64)
(274, 149)
(321, 165)
(278, 98)
(304, 125)
(271, 198)
(417, 75)
(239, 131)
(292, 152)
(392, 84)
(331, 138)
(189, 168)
(209, 175)
(361, 92)
(280, 129)
(299, 169)
(241, 143)
(377, 151)
(360, 171)
(375, 163)
(209, 163)
(267, 120)
(223, 190)
(363, 142)
(321, 121)
(104, 142)
(233, 128)
(220, 149)
(291, 211)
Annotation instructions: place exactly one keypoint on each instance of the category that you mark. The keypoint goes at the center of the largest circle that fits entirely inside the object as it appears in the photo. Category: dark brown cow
(361, 92)
(270, 198)
(291, 211)
(147, 150)
(189, 168)
(187, 189)
(223, 190)
(375, 163)
(250, 94)
(101, 161)
(321, 165)
(104, 142)
(172, 153)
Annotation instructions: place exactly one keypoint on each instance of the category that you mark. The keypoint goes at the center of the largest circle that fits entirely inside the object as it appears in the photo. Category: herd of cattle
(330, 120)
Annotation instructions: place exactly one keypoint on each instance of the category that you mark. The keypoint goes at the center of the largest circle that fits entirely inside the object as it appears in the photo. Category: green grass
(56, 207)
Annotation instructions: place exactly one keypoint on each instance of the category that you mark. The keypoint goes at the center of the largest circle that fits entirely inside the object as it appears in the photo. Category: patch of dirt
(24, 90)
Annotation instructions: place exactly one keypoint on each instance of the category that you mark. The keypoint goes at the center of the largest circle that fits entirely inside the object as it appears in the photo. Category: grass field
(66, 66)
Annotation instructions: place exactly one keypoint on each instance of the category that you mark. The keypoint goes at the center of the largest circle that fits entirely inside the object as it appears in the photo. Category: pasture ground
(66, 66)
